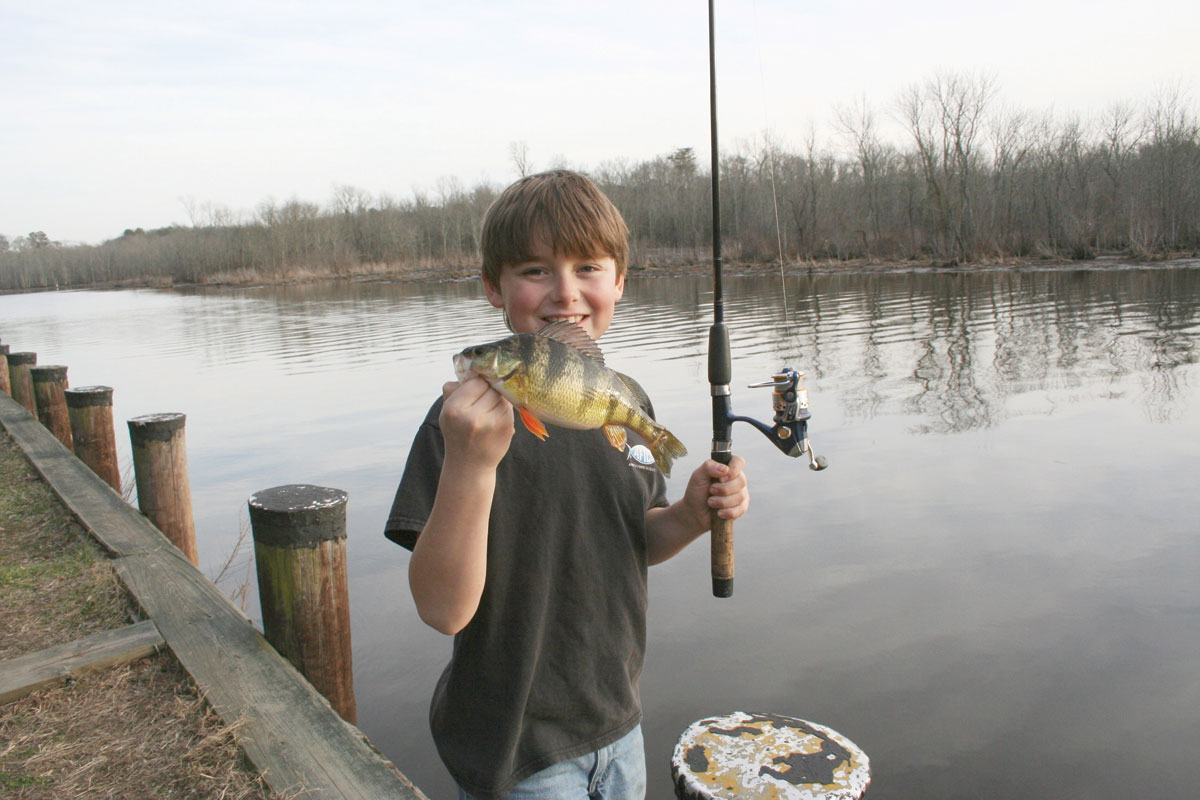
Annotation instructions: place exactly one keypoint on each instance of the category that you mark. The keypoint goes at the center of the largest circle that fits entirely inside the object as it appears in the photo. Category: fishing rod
(790, 398)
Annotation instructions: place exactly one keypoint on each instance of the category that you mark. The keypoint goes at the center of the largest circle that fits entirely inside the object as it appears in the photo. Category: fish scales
(567, 387)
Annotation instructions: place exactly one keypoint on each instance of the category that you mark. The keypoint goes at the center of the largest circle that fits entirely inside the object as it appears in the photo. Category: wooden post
(49, 386)
(300, 552)
(742, 755)
(5, 383)
(160, 471)
(90, 412)
(22, 382)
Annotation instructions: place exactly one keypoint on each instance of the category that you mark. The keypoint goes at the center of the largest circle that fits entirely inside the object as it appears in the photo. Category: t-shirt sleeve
(419, 484)
(658, 492)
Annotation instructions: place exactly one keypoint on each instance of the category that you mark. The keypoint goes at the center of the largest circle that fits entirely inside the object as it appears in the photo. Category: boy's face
(552, 287)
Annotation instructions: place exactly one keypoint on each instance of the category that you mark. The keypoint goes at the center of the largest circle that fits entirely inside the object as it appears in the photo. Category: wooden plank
(76, 485)
(28, 673)
(287, 730)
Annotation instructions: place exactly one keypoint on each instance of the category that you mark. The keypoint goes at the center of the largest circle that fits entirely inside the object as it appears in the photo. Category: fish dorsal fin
(574, 336)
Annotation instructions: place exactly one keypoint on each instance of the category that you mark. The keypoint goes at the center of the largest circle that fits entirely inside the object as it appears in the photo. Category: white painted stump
(742, 755)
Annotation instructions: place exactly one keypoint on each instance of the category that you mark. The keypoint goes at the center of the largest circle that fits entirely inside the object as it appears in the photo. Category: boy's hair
(562, 208)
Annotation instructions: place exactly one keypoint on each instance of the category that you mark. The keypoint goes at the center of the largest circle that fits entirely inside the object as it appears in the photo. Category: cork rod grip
(721, 538)
(722, 556)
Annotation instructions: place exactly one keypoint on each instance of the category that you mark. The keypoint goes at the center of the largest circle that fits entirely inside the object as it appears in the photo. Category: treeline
(972, 181)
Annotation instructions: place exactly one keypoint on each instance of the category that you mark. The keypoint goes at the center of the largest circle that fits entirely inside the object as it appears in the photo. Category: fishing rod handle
(720, 373)
(721, 538)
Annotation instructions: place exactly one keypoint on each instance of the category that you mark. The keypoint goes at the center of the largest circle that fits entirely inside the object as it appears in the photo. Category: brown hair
(562, 208)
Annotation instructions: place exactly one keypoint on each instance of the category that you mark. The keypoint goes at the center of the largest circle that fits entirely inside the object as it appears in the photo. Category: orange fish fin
(616, 436)
(533, 424)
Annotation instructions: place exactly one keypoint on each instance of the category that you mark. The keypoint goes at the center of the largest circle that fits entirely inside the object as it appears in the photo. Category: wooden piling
(5, 383)
(90, 411)
(740, 755)
(300, 552)
(22, 382)
(161, 474)
(49, 387)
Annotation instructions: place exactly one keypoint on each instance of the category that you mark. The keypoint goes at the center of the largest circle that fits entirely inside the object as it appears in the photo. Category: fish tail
(664, 447)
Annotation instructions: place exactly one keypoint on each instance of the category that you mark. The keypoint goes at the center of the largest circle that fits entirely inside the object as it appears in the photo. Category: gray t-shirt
(548, 668)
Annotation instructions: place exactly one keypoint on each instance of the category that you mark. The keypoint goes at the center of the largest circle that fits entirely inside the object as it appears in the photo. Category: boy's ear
(493, 294)
(620, 285)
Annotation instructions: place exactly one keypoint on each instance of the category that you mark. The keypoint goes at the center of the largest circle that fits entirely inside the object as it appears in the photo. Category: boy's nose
(566, 289)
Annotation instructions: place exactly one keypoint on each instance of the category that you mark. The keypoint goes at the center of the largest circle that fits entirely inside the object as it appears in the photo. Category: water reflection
(1004, 548)
(964, 347)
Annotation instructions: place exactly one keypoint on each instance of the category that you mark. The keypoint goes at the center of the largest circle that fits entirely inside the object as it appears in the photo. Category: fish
(558, 376)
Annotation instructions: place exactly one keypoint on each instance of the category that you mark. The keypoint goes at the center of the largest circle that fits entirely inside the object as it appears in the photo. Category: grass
(55, 583)
(138, 731)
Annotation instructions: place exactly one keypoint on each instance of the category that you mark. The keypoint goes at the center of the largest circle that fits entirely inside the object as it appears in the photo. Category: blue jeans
(614, 772)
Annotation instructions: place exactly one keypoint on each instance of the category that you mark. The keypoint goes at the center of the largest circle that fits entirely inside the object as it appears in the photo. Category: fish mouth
(462, 366)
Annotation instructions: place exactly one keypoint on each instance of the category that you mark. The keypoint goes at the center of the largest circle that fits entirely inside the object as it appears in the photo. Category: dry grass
(139, 731)
(135, 732)
(417, 271)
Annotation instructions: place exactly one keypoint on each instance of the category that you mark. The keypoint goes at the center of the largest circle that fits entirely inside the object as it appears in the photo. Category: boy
(534, 553)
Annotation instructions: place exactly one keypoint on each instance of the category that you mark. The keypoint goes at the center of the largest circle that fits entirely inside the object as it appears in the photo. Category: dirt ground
(138, 731)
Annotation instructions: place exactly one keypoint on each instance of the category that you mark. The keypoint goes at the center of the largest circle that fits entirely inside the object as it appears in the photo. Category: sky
(120, 114)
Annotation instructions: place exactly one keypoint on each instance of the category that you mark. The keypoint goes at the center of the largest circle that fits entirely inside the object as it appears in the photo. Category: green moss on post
(300, 552)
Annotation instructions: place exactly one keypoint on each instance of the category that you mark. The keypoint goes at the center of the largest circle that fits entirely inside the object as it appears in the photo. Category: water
(992, 590)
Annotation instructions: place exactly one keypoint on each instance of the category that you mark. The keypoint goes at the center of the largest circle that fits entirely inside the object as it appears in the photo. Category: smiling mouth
(572, 318)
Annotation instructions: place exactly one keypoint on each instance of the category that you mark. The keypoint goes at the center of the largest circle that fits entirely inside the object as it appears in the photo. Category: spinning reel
(790, 432)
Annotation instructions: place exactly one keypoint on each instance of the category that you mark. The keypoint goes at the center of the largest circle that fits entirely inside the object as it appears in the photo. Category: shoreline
(731, 269)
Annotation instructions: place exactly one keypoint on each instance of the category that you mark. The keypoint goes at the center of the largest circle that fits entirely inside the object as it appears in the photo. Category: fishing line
(762, 94)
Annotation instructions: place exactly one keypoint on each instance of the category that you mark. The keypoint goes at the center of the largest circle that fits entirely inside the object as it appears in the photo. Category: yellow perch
(557, 375)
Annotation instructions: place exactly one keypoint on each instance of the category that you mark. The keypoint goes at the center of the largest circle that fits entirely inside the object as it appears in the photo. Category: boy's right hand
(476, 422)
(448, 568)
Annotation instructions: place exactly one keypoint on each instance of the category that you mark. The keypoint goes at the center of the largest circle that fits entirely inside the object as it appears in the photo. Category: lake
(992, 590)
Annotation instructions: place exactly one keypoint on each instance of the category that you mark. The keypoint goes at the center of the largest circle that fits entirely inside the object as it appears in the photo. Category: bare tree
(1120, 135)
(857, 125)
(972, 182)
(519, 153)
(1011, 140)
(945, 116)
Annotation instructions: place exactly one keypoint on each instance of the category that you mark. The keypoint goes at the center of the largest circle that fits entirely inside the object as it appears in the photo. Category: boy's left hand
(715, 486)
